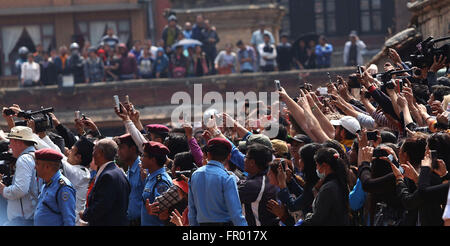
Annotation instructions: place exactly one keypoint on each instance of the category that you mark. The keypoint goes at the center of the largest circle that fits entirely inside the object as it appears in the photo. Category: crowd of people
(363, 152)
(170, 57)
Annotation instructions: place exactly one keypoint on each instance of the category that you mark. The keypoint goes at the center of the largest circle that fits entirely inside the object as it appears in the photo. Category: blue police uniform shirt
(213, 196)
(137, 186)
(154, 188)
(56, 209)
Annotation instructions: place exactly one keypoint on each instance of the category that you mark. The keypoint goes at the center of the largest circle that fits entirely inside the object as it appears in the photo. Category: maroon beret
(125, 138)
(48, 155)
(219, 143)
(156, 148)
(157, 128)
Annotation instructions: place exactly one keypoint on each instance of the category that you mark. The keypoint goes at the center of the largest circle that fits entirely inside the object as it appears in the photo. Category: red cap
(157, 128)
(182, 184)
(156, 148)
(48, 155)
(125, 138)
(122, 45)
(219, 142)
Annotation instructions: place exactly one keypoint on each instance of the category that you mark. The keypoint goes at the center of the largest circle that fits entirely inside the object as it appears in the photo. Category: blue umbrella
(186, 43)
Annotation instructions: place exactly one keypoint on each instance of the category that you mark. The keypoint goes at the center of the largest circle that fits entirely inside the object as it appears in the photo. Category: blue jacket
(323, 56)
(108, 200)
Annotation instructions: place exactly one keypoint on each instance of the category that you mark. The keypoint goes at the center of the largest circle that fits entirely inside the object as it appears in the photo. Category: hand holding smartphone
(117, 102)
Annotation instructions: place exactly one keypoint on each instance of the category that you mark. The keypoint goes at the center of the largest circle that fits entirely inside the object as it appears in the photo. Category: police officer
(213, 193)
(128, 154)
(157, 182)
(56, 205)
(157, 132)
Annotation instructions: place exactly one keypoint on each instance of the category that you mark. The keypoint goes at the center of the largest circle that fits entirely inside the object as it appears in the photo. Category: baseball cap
(301, 138)
(350, 123)
(256, 138)
(279, 146)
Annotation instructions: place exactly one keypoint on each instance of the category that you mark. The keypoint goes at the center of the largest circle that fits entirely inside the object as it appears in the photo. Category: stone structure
(233, 19)
(151, 97)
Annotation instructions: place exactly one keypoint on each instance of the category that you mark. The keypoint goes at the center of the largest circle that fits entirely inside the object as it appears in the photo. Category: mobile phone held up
(395, 162)
(117, 102)
(77, 115)
(434, 157)
(277, 85)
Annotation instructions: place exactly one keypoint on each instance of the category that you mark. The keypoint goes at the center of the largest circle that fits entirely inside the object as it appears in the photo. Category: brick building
(233, 19)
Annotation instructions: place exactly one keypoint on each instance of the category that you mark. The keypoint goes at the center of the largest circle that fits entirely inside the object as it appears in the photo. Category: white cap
(350, 123)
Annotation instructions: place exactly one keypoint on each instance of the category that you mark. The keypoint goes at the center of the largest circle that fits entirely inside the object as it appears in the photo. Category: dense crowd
(366, 151)
(181, 52)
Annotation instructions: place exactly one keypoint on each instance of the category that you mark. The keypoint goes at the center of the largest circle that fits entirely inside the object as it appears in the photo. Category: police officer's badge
(161, 188)
(65, 196)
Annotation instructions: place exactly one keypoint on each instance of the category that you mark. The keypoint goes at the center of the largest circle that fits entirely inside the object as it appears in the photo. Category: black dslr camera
(7, 162)
(41, 118)
(424, 56)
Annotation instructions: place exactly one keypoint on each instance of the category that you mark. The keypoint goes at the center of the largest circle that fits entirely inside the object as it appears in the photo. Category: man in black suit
(108, 200)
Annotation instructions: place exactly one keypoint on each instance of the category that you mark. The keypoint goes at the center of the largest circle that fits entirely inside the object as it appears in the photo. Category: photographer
(23, 193)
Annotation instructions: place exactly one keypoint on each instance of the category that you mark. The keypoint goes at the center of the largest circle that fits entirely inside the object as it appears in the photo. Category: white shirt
(79, 176)
(100, 170)
(360, 47)
(267, 55)
(30, 71)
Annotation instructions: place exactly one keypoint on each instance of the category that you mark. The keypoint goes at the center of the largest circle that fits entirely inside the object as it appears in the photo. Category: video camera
(424, 56)
(7, 161)
(41, 118)
(386, 77)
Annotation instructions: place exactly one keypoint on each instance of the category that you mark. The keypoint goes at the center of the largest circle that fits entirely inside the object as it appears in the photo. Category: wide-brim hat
(22, 133)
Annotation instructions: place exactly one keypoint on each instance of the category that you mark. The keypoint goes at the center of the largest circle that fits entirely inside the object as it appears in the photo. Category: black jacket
(108, 200)
(329, 207)
(254, 195)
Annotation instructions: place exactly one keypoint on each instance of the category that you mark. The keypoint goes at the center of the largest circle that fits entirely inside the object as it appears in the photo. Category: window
(370, 11)
(325, 17)
(16, 36)
(94, 31)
